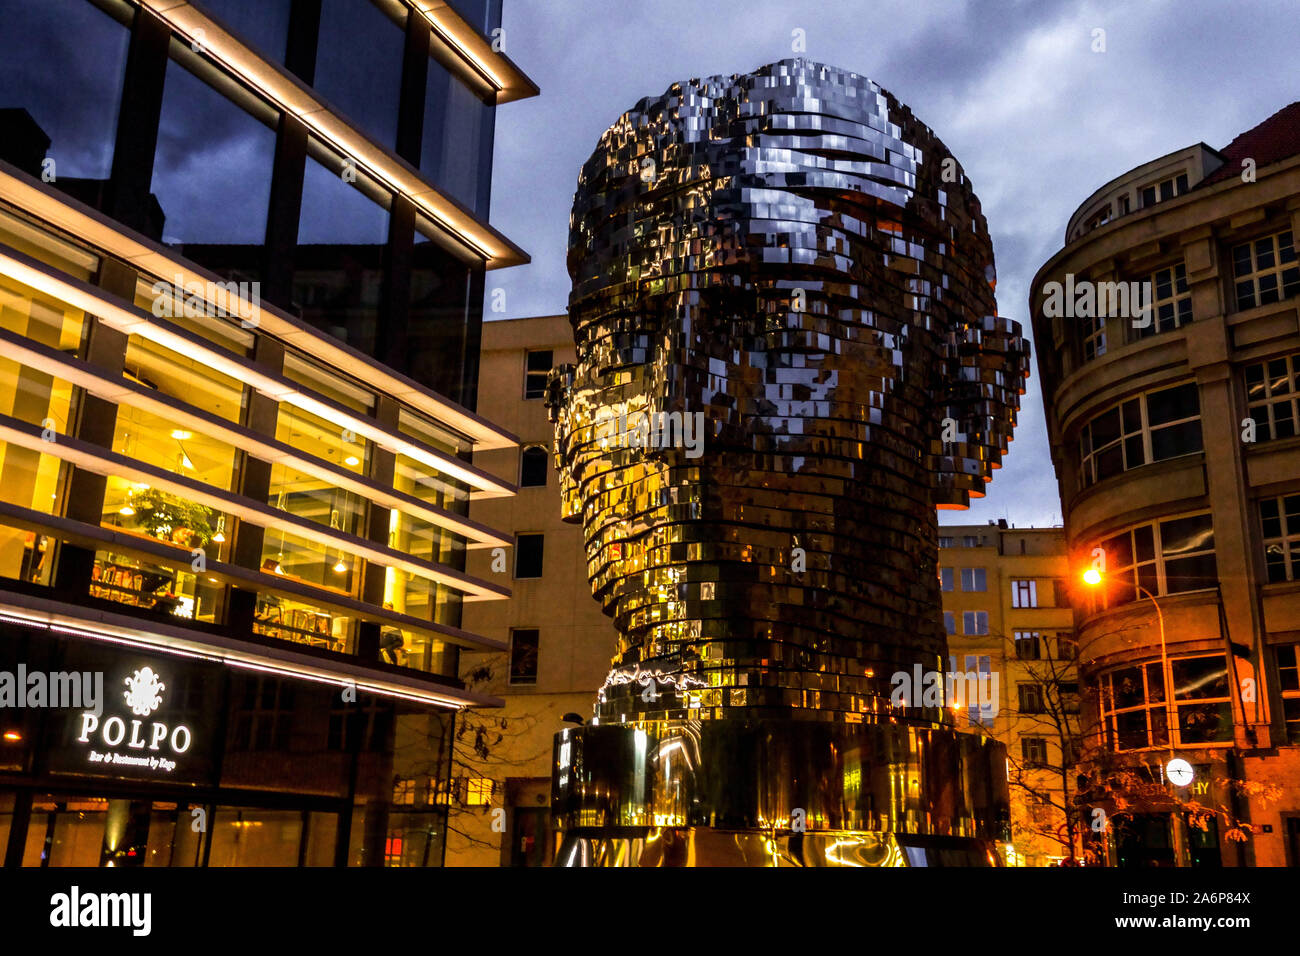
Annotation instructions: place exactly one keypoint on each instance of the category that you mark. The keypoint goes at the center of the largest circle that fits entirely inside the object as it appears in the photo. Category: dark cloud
(1037, 119)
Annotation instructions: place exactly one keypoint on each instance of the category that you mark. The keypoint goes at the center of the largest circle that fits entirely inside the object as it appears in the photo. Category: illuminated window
(1281, 524)
(1265, 270)
(1273, 391)
(1024, 593)
(478, 791)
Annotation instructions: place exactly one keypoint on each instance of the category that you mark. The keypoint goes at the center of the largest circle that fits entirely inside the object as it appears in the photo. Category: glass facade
(181, 479)
(212, 169)
(458, 134)
(215, 172)
(62, 72)
(364, 88)
(247, 770)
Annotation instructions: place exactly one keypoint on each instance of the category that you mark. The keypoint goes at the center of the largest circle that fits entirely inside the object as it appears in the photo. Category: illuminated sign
(134, 740)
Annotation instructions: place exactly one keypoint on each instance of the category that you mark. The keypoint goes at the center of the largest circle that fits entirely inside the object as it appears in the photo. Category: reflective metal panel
(788, 356)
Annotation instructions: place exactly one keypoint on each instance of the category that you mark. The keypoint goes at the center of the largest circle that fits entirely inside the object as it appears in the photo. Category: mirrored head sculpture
(788, 357)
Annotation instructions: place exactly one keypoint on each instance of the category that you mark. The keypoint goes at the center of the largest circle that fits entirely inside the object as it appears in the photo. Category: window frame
(532, 392)
(1024, 593)
(541, 560)
(1285, 269)
(1090, 452)
(527, 680)
(1268, 400)
(1101, 599)
(1287, 538)
(1179, 300)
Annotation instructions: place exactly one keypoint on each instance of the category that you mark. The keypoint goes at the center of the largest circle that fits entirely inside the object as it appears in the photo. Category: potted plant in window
(172, 519)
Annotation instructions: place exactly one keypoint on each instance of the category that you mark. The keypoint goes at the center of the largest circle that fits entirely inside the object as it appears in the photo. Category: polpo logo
(130, 741)
(145, 693)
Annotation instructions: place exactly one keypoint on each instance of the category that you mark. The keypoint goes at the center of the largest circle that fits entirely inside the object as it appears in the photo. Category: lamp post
(1093, 578)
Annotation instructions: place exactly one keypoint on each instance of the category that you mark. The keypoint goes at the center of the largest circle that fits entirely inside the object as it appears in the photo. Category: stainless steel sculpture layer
(791, 263)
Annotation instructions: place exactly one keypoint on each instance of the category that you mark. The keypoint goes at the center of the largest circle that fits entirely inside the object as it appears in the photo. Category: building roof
(1277, 138)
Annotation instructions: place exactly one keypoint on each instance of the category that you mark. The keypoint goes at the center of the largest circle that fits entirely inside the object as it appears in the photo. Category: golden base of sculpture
(778, 793)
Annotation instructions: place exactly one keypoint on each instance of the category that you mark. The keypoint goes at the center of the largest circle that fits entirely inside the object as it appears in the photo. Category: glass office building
(242, 249)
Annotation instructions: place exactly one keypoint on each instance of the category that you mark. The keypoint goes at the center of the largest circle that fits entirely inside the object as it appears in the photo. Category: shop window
(1273, 391)
(287, 619)
(247, 837)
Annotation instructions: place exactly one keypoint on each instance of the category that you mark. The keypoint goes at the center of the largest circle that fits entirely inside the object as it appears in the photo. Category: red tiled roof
(1272, 140)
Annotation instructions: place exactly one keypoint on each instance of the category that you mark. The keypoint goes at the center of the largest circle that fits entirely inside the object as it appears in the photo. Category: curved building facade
(1169, 348)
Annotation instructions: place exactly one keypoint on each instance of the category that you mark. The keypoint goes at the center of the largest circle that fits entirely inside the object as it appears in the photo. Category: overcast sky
(1036, 118)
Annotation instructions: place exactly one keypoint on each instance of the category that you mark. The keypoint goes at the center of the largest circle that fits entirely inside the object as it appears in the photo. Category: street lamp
(1178, 772)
